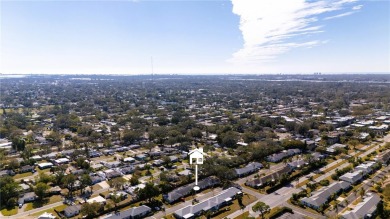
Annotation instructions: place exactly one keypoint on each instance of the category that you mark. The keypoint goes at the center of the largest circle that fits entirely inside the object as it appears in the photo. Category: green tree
(41, 189)
(85, 181)
(230, 139)
(90, 210)
(117, 183)
(18, 144)
(8, 189)
(134, 180)
(149, 192)
(13, 164)
(261, 207)
(69, 182)
(130, 136)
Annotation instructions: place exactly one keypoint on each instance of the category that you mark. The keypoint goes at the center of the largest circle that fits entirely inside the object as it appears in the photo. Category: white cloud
(357, 7)
(269, 26)
(340, 15)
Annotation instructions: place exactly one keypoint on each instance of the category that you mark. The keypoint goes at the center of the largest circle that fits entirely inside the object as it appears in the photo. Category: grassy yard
(22, 175)
(246, 200)
(47, 201)
(243, 216)
(386, 194)
(58, 208)
(9, 211)
(29, 206)
(43, 171)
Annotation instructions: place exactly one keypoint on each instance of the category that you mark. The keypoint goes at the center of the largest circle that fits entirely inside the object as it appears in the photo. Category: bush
(324, 182)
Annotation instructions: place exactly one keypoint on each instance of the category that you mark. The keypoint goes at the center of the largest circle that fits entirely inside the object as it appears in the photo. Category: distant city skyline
(195, 37)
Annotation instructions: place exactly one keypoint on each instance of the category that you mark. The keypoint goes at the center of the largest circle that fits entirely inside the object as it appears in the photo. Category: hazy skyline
(195, 37)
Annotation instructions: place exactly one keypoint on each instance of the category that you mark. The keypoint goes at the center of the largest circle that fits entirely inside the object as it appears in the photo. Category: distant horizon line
(201, 74)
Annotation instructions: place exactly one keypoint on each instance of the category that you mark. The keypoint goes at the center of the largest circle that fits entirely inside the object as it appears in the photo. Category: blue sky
(195, 37)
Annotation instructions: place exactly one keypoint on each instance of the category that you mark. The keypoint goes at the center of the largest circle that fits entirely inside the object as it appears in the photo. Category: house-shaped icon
(196, 156)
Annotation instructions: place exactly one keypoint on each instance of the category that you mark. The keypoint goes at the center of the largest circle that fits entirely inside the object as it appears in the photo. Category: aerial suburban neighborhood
(256, 146)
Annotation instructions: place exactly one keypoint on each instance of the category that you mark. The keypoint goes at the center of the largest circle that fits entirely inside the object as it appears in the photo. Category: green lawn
(59, 208)
(29, 206)
(22, 175)
(243, 216)
(9, 211)
(246, 200)
(386, 193)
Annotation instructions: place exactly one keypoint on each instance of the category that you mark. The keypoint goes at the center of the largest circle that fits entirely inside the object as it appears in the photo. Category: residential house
(110, 174)
(56, 190)
(322, 196)
(27, 197)
(45, 165)
(333, 137)
(72, 211)
(185, 190)
(46, 215)
(271, 177)
(27, 168)
(131, 213)
(97, 199)
(25, 188)
(174, 159)
(333, 148)
(366, 167)
(155, 153)
(380, 130)
(61, 161)
(128, 170)
(96, 166)
(310, 144)
(384, 157)
(141, 157)
(353, 177)
(158, 162)
(281, 155)
(36, 157)
(248, 169)
(78, 172)
(185, 172)
(134, 146)
(7, 173)
(112, 164)
(211, 204)
(50, 156)
(364, 209)
(296, 164)
(96, 179)
(129, 160)
(93, 154)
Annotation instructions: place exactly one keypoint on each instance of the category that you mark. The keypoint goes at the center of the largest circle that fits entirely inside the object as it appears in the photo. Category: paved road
(277, 198)
(304, 212)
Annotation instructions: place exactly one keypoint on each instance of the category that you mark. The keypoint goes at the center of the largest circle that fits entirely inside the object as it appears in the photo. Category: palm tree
(336, 206)
(362, 192)
(346, 202)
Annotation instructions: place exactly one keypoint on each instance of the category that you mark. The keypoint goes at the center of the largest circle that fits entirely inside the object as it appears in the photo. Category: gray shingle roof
(213, 202)
(367, 206)
(131, 213)
(186, 190)
(322, 195)
(250, 168)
